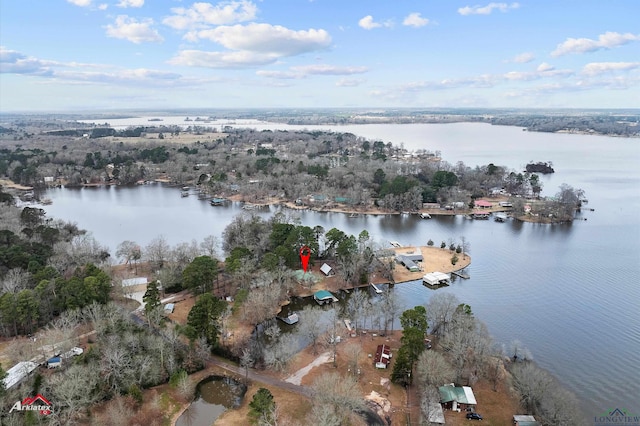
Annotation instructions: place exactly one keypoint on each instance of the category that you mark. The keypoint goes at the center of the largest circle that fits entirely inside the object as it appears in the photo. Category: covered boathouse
(323, 296)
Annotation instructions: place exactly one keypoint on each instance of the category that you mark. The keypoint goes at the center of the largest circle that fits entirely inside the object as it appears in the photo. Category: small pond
(214, 395)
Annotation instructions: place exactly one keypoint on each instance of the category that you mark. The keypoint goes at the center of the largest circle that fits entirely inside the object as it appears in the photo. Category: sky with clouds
(82, 55)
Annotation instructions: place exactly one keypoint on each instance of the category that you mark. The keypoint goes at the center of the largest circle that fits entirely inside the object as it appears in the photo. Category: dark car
(474, 416)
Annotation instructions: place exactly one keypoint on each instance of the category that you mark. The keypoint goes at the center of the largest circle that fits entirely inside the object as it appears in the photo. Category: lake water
(569, 293)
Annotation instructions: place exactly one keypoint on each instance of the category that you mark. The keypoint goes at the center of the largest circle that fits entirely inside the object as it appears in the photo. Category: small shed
(326, 269)
(290, 319)
(169, 307)
(525, 420)
(436, 415)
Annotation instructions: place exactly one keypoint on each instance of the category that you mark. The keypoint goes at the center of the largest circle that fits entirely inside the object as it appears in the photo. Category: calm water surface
(570, 293)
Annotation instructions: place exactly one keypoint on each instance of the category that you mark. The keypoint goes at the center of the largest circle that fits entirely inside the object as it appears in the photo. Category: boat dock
(290, 319)
(461, 274)
(376, 289)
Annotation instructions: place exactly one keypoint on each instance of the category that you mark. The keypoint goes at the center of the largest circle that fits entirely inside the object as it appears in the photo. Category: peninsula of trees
(315, 169)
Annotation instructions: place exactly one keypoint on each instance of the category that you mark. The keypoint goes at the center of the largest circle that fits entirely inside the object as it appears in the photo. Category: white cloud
(126, 76)
(322, 69)
(81, 3)
(131, 3)
(202, 14)
(14, 62)
(368, 23)
(304, 71)
(415, 20)
(133, 30)
(544, 67)
(607, 40)
(281, 75)
(103, 6)
(597, 68)
(266, 39)
(486, 10)
(544, 70)
(349, 82)
(229, 60)
(523, 58)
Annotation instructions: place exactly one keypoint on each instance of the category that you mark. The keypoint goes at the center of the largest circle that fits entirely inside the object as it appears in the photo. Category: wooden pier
(461, 274)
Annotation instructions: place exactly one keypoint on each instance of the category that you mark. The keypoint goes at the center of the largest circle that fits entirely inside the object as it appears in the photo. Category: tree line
(338, 167)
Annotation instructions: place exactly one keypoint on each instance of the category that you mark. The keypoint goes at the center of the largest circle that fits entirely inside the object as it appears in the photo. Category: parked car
(474, 416)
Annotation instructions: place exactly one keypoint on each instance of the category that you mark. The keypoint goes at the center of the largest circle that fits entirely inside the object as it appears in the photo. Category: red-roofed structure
(383, 356)
(482, 204)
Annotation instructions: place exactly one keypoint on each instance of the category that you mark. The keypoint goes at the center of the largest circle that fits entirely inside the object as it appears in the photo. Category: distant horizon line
(351, 109)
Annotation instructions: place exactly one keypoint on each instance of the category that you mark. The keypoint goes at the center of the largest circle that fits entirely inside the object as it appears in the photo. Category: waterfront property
(436, 278)
(457, 397)
(481, 215)
(409, 259)
(323, 296)
(408, 263)
(217, 201)
(500, 217)
(483, 204)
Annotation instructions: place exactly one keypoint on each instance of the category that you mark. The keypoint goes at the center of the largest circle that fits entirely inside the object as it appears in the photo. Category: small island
(540, 167)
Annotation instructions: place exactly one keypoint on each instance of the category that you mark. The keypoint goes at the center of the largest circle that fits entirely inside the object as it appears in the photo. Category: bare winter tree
(495, 371)
(532, 383)
(129, 251)
(312, 325)
(279, 351)
(210, 246)
(73, 390)
(440, 311)
(157, 251)
(338, 394)
(14, 281)
(389, 306)
(357, 306)
(352, 352)
(432, 369)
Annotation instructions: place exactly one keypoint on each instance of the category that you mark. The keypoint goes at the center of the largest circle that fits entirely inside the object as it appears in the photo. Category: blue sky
(80, 55)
